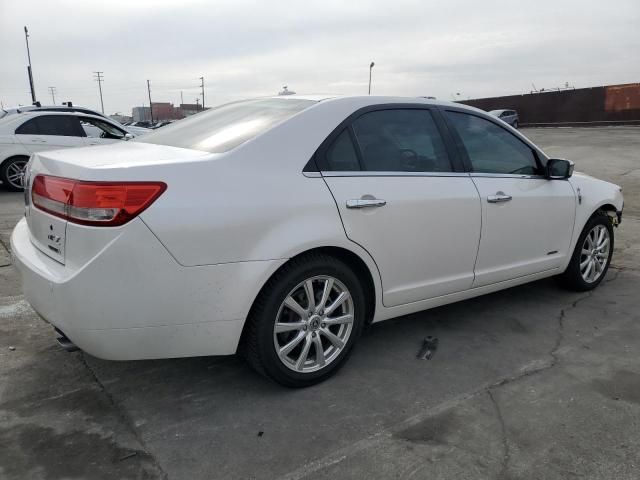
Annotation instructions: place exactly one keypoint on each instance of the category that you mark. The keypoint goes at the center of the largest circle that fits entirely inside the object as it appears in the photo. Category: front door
(527, 220)
(399, 198)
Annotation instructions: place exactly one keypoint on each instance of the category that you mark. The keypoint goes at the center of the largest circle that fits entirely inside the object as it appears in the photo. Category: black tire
(4, 172)
(259, 347)
(515, 124)
(572, 278)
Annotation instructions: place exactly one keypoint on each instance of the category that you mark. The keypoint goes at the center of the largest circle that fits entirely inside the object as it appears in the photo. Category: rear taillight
(93, 203)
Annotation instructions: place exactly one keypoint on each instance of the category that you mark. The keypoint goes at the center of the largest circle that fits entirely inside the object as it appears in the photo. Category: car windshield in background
(227, 126)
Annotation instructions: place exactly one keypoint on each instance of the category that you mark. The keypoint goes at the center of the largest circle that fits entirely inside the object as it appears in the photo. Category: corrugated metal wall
(611, 104)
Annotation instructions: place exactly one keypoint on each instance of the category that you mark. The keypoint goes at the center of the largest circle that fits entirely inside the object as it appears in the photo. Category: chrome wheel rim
(15, 173)
(313, 324)
(595, 253)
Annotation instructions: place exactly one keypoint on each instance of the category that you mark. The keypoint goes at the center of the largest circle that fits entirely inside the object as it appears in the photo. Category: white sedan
(279, 227)
(22, 134)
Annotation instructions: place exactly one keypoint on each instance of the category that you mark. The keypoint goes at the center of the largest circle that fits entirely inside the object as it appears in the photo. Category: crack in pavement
(126, 419)
(505, 441)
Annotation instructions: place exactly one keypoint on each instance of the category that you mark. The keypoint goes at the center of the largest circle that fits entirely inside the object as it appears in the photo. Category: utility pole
(202, 86)
(150, 105)
(370, 68)
(53, 94)
(29, 69)
(99, 77)
(181, 98)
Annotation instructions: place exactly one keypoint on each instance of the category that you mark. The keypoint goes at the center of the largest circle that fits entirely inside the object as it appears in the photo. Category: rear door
(527, 220)
(50, 132)
(400, 198)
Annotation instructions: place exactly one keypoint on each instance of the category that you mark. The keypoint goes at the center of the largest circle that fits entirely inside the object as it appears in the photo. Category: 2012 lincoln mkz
(280, 227)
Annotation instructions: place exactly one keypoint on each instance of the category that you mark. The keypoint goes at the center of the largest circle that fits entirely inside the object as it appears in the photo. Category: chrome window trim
(505, 175)
(365, 173)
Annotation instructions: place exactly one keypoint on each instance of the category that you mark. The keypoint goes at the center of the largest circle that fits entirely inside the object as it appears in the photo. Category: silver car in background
(507, 116)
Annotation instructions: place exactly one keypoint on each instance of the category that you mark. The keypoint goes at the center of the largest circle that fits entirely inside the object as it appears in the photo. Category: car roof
(9, 123)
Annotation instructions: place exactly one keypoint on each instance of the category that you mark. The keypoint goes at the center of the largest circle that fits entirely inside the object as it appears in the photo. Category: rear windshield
(227, 126)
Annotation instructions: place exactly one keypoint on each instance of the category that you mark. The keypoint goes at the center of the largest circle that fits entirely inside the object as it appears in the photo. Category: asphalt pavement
(529, 383)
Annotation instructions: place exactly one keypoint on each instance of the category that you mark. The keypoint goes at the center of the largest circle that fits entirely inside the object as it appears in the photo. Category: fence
(606, 105)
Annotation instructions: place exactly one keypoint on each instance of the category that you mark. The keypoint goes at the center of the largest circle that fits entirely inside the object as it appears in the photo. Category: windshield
(227, 126)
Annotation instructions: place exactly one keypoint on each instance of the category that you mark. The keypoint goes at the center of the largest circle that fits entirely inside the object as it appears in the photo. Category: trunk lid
(126, 161)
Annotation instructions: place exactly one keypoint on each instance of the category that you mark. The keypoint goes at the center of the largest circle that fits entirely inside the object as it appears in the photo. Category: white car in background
(23, 134)
(279, 227)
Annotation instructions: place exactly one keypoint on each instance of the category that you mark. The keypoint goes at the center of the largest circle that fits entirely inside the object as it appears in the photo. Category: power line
(99, 77)
(53, 94)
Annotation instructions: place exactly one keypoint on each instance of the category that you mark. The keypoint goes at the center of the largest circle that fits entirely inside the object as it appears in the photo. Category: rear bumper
(134, 301)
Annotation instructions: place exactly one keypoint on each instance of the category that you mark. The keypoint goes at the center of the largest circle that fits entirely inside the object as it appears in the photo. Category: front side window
(58, 125)
(492, 149)
(223, 128)
(99, 129)
(400, 140)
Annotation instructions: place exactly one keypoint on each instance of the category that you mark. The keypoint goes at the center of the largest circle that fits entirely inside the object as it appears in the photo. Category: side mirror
(559, 169)
(127, 137)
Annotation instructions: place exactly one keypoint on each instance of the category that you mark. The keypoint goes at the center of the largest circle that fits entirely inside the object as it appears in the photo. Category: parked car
(279, 227)
(507, 116)
(47, 108)
(24, 134)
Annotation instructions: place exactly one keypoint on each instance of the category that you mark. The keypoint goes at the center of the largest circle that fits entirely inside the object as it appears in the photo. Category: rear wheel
(12, 173)
(592, 256)
(515, 124)
(306, 320)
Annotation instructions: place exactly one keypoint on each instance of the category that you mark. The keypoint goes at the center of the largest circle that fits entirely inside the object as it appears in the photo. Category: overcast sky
(242, 48)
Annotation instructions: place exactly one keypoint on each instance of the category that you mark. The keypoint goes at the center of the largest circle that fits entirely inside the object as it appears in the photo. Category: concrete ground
(529, 383)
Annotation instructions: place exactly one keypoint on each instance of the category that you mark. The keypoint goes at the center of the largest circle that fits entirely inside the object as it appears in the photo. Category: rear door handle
(365, 203)
(499, 197)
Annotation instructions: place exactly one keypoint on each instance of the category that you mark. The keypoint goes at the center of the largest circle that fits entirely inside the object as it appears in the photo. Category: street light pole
(370, 68)
(29, 69)
(53, 94)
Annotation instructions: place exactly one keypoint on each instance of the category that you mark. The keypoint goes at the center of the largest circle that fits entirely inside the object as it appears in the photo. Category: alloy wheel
(313, 324)
(595, 253)
(15, 173)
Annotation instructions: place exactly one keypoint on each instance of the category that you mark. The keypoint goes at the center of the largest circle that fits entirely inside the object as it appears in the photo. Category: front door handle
(499, 197)
(365, 203)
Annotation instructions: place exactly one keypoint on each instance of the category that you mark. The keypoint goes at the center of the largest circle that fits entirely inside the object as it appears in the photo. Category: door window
(492, 149)
(403, 140)
(99, 129)
(59, 125)
(400, 140)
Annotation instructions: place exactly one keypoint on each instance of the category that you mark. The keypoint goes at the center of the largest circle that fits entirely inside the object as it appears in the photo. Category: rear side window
(492, 149)
(341, 155)
(223, 128)
(59, 125)
(400, 140)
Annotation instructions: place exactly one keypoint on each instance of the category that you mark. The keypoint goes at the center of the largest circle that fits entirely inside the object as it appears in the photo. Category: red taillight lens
(94, 203)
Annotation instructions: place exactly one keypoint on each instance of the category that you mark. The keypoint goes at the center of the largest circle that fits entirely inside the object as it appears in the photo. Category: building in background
(189, 109)
(163, 111)
(141, 114)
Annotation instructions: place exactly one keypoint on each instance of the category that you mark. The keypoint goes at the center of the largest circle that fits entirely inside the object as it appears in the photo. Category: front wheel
(306, 320)
(592, 256)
